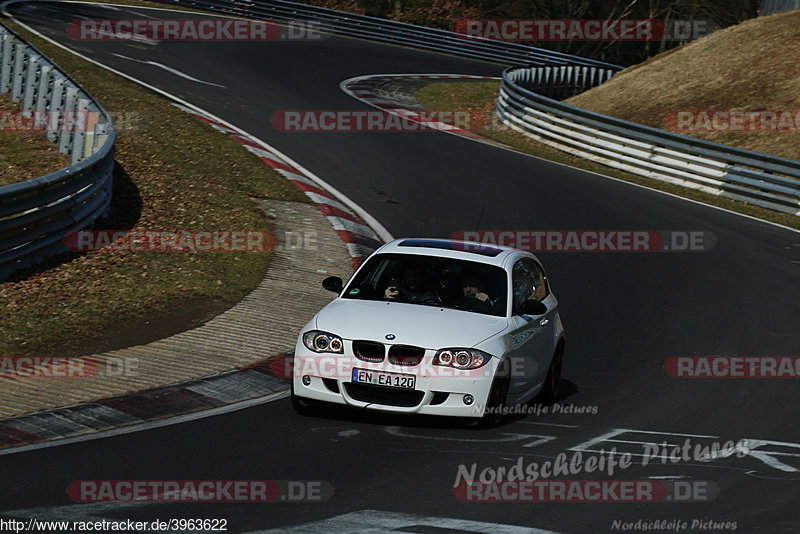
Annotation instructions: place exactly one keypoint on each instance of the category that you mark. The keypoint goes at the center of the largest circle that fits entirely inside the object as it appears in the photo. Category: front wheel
(552, 382)
(302, 406)
(496, 402)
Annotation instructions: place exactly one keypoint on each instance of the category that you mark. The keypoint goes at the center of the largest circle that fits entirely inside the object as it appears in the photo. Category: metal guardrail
(524, 104)
(393, 32)
(770, 7)
(528, 102)
(35, 215)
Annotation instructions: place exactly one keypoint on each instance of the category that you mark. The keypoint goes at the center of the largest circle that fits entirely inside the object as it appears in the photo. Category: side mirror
(333, 283)
(532, 307)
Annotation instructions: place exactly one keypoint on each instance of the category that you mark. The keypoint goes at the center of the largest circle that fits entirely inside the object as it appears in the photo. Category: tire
(302, 406)
(493, 415)
(552, 382)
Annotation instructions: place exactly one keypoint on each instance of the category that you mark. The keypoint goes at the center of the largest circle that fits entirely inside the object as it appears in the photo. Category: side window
(528, 281)
(541, 282)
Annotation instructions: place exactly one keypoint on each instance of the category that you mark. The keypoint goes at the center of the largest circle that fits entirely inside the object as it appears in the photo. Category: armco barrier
(770, 7)
(527, 104)
(35, 215)
(388, 31)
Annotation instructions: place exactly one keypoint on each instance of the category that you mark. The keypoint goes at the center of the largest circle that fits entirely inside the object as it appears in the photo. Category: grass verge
(24, 154)
(173, 172)
(750, 67)
(481, 96)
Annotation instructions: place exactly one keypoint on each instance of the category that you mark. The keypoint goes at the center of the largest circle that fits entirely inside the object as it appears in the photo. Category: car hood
(412, 324)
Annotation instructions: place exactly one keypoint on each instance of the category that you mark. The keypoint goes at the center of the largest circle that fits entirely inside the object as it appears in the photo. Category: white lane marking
(376, 521)
(349, 433)
(542, 439)
(142, 14)
(749, 447)
(396, 431)
(546, 424)
(509, 149)
(112, 35)
(140, 427)
(768, 456)
(373, 223)
(168, 69)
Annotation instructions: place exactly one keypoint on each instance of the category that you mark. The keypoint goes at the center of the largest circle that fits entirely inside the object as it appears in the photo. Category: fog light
(306, 380)
(468, 399)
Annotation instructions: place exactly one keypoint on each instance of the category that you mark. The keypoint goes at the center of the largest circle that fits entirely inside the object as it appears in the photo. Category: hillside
(754, 66)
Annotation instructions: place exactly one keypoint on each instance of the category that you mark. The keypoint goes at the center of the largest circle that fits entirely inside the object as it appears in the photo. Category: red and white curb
(364, 88)
(357, 235)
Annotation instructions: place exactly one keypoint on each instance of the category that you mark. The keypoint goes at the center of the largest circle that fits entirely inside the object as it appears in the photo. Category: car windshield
(431, 281)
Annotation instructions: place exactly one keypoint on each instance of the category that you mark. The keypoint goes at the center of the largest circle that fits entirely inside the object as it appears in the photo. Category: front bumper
(438, 390)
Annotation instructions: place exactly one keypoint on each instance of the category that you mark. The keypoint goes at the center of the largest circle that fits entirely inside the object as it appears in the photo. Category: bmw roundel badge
(390, 336)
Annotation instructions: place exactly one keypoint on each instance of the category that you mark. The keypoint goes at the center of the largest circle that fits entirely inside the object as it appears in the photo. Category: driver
(411, 287)
(472, 288)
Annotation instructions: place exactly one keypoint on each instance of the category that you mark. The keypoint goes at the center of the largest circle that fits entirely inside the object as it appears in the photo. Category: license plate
(380, 378)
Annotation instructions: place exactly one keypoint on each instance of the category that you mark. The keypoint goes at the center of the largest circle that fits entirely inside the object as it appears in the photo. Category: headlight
(461, 358)
(322, 342)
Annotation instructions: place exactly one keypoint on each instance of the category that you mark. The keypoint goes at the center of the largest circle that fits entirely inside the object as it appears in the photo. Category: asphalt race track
(625, 314)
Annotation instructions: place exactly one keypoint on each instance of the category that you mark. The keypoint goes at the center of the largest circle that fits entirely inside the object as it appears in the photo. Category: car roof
(450, 248)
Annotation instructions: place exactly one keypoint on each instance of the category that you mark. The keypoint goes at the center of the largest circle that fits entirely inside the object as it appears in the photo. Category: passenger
(411, 287)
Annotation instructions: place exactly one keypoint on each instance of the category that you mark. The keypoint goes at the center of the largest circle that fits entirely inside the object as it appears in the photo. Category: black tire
(552, 382)
(493, 414)
(302, 406)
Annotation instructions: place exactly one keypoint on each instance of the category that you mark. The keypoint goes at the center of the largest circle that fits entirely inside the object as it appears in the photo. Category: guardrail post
(65, 132)
(35, 214)
(30, 83)
(79, 125)
(40, 108)
(56, 105)
(18, 70)
(546, 87)
(100, 135)
(5, 67)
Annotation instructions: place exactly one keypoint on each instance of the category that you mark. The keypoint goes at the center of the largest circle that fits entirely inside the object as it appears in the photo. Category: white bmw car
(434, 327)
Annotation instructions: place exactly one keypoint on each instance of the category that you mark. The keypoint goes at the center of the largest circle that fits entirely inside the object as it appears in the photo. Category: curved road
(625, 314)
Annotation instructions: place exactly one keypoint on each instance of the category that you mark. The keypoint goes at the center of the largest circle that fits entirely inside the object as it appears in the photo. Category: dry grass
(172, 172)
(24, 154)
(482, 97)
(750, 67)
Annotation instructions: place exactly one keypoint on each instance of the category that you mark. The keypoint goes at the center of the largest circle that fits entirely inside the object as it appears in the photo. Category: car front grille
(383, 395)
(405, 355)
(369, 351)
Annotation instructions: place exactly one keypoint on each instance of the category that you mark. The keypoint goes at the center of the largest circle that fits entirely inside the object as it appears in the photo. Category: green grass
(173, 171)
(481, 96)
